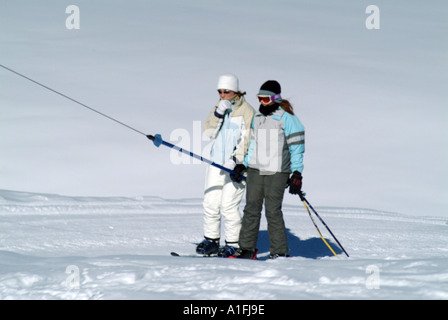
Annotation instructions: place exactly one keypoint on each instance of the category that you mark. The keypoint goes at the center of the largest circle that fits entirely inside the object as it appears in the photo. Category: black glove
(237, 176)
(295, 184)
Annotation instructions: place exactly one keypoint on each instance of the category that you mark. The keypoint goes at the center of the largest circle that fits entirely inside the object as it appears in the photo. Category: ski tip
(175, 254)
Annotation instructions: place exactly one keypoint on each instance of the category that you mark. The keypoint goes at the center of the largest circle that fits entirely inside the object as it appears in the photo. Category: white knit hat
(229, 82)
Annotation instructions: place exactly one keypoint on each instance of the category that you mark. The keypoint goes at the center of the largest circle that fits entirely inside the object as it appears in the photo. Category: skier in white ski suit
(228, 125)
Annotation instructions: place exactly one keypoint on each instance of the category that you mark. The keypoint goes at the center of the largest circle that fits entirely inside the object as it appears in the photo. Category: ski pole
(305, 202)
(318, 231)
(157, 139)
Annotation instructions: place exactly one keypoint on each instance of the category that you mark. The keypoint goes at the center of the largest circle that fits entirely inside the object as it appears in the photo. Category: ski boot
(228, 250)
(245, 254)
(273, 256)
(208, 247)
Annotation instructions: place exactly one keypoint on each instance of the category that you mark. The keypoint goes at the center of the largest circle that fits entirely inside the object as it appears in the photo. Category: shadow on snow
(312, 248)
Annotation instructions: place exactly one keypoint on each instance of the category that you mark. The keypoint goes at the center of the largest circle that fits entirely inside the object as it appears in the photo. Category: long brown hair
(285, 105)
(237, 96)
(240, 94)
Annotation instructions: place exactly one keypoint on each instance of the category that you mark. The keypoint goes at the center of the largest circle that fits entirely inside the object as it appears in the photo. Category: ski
(175, 254)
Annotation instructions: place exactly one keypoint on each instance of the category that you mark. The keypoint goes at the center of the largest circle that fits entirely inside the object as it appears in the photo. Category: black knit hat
(271, 88)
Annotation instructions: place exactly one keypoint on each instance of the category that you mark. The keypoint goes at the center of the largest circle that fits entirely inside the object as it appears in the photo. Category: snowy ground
(59, 247)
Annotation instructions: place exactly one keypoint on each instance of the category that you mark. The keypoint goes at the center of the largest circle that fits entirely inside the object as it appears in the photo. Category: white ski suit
(222, 197)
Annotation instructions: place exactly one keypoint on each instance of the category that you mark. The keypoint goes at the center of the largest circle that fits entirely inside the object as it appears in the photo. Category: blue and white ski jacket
(230, 132)
(277, 143)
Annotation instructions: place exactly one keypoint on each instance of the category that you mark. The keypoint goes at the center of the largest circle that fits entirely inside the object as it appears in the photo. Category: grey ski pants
(270, 189)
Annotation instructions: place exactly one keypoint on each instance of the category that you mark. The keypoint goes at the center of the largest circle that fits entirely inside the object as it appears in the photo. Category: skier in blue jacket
(275, 151)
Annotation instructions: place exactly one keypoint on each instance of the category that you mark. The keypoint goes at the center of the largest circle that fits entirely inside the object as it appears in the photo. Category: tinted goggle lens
(264, 99)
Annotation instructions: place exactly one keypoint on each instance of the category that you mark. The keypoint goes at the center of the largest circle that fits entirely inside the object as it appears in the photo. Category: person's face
(226, 94)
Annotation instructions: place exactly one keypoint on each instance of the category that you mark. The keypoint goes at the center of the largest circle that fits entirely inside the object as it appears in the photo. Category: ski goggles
(265, 99)
(224, 91)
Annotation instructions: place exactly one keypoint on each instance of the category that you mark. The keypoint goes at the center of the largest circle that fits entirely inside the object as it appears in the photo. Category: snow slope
(120, 248)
